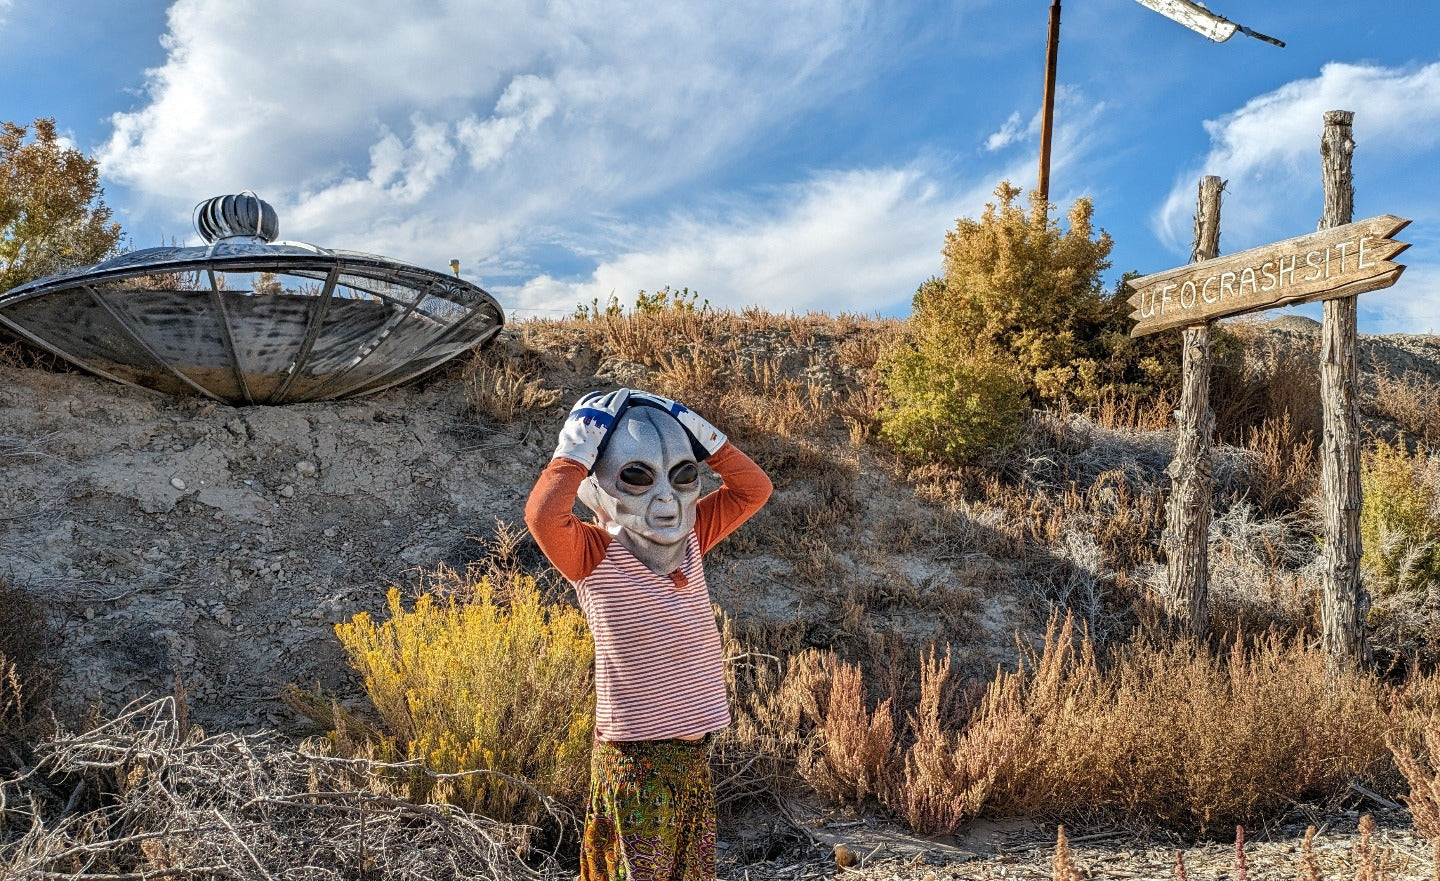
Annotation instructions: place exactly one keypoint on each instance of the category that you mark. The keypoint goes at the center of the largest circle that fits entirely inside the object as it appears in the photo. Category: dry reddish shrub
(1062, 865)
(948, 776)
(1309, 866)
(855, 754)
(1285, 470)
(1421, 769)
(1170, 733)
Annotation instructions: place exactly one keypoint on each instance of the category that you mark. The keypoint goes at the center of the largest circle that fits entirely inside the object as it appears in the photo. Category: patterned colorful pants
(651, 814)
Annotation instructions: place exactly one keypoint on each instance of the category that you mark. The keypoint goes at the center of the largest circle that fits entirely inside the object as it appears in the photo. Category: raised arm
(570, 544)
(573, 546)
(744, 489)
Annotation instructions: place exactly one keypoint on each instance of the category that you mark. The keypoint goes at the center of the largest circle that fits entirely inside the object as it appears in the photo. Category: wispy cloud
(1268, 151)
(1412, 306)
(1008, 134)
(857, 241)
(597, 136)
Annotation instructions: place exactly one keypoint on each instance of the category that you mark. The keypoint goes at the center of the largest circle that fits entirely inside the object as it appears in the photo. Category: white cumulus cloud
(421, 121)
(1269, 153)
(1268, 150)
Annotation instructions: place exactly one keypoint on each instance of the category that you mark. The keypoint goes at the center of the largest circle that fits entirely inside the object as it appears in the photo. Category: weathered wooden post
(1345, 602)
(1335, 264)
(1187, 513)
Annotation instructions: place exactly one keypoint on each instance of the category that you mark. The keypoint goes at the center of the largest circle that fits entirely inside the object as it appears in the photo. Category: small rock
(330, 532)
(306, 468)
(287, 491)
(177, 483)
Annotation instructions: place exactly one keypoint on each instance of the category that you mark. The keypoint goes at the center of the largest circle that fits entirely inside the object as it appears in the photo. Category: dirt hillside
(176, 536)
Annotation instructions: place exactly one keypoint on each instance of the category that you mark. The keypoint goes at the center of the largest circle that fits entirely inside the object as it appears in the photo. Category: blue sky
(806, 155)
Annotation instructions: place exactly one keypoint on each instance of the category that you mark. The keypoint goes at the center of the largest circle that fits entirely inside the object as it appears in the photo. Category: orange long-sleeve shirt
(658, 660)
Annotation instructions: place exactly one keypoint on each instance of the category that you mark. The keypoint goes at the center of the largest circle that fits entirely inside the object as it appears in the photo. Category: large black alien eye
(636, 477)
(684, 476)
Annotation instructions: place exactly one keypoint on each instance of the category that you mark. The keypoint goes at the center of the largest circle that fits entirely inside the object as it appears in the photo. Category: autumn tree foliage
(1019, 318)
(52, 212)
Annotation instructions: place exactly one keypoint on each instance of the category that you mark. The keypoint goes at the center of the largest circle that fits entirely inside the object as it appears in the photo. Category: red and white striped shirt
(659, 669)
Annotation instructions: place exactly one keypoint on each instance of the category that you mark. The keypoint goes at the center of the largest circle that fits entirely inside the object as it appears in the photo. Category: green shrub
(481, 684)
(950, 411)
(1400, 518)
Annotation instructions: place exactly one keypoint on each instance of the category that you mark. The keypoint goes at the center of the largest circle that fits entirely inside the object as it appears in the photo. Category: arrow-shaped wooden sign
(1337, 262)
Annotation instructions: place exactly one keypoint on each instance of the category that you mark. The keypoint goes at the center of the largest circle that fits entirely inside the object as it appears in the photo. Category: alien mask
(645, 486)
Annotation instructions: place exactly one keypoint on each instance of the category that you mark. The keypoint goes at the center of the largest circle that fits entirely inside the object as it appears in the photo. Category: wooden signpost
(1336, 264)
(1339, 262)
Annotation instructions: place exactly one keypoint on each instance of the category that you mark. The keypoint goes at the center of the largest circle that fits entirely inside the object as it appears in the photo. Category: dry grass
(1263, 377)
(1118, 410)
(150, 798)
(28, 643)
(1368, 862)
(1412, 402)
(505, 389)
(1264, 573)
(1160, 732)
(758, 375)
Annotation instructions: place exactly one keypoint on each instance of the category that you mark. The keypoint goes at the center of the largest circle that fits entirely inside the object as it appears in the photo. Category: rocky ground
(1026, 850)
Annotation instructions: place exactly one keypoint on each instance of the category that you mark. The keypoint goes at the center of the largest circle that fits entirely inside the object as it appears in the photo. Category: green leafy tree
(52, 214)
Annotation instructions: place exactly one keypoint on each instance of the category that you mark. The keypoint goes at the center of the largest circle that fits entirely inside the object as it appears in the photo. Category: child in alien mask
(633, 459)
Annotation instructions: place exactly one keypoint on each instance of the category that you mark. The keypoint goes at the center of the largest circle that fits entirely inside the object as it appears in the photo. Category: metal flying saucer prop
(245, 319)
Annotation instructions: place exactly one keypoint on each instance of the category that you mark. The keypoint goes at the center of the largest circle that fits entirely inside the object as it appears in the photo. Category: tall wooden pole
(1344, 603)
(1187, 513)
(1047, 117)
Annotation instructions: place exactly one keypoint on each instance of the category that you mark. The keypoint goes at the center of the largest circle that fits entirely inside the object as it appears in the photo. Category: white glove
(582, 437)
(705, 438)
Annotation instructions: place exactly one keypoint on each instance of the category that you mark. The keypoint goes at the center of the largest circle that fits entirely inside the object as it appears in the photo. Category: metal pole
(1052, 52)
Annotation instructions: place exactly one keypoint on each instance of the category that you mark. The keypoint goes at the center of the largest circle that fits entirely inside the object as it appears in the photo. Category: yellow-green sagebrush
(481, 684)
